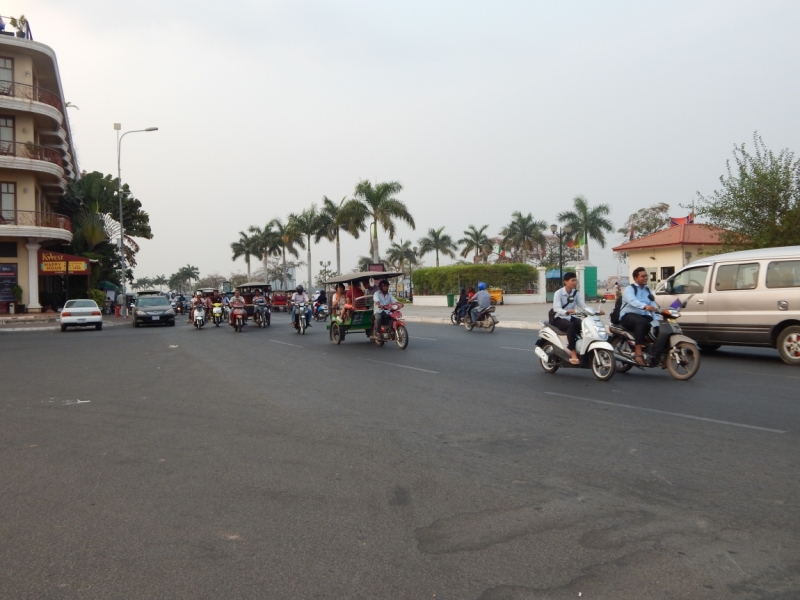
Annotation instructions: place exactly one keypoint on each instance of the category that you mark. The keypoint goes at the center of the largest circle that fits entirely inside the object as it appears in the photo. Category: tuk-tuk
(248, 290)
(358, 315)
(280, 300)
(495, 296)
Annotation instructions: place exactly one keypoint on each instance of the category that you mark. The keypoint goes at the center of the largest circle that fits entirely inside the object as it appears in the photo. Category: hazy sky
(477, 108)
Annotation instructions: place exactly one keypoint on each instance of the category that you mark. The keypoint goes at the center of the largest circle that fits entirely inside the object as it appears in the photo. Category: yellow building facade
(36, 163)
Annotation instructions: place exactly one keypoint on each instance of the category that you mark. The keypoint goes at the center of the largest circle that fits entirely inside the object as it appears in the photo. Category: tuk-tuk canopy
(149, 293)
(364, 276)
(254, 284)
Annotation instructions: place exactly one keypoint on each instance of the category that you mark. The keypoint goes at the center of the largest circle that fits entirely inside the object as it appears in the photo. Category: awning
(55, 263)
(107, 286)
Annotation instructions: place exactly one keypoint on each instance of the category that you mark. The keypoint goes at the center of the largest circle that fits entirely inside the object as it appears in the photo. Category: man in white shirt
(300, 296)
(383, 300)
(566, 302)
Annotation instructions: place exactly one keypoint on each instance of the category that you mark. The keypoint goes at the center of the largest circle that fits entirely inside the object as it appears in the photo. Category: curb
(504, 324)
(53, 327)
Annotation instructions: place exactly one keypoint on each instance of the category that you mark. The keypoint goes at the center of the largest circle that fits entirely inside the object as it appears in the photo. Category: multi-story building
(37, 160)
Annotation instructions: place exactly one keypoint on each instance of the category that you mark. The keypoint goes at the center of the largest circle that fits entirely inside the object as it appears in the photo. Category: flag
(576, 242)
(500, 252)
(688, 220)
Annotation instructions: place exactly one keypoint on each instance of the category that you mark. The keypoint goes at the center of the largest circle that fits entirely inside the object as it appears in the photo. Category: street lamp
(565, 231)
(117, 128)
(325, 273)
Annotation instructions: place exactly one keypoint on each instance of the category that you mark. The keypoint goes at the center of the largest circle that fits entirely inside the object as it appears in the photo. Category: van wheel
(709, 348)
(789, 345)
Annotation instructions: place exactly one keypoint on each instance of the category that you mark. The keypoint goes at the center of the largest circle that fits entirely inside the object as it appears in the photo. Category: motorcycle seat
(619, 329)
(558, 330)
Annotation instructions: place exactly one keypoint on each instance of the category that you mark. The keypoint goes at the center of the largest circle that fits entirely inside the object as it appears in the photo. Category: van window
(783, 274)
(737, 277)
(690, 281)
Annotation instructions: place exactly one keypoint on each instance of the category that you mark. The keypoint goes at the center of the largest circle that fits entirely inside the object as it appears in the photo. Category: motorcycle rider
(566, 302)
(322, 298)
(198, 299)
(383, 301)
(461, 305)
(300, 296)
(259, 305)
(236, 302)
(481, 301)
(638, 306)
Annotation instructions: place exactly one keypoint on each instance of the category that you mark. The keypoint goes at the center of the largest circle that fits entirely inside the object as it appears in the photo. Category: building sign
(376, 268)
(55, 263)
(8, 279)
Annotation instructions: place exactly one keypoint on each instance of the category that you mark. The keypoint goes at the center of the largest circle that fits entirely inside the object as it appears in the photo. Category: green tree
(287, 239)
(377, 205)
(475, 240)
(265, 242)
(363, 264)
(646, 221)
(402, 254)
(587, 222)
(307, 224)
(758, 205)
(188, 273)
(160, 281)
(436, 241)
(336, 217)
(523, 234)
(246, 246)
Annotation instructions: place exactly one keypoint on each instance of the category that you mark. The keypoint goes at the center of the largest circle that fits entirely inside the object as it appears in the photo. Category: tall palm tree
(286, 239)
(475, 240)
(308, 225)
(160, 281)
(188, 273)
(246, 246)
(524, 233)
(266, 243)
(587, 222)
(401, 254)
(335, 217)
(377, 205)
(363, 263)
(437, 242)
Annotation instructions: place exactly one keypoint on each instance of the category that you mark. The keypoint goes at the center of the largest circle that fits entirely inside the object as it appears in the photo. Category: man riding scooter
(638, 313)
(260, 305)
(322, 298)
(198, 299)
(383, 301)
(566, 302)
(236, 302)
(479, 302)
(300, 296)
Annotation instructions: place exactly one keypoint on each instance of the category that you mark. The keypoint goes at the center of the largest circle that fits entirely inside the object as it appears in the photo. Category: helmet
(299, 289)
(383, 282)
(481, 286)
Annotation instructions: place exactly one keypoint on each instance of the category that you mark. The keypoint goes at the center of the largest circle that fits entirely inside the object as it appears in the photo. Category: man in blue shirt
(638, 306)
(566, 302)
(482, 301)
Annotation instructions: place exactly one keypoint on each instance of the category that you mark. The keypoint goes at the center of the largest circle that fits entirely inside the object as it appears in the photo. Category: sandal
(574, 361)
(639, 360)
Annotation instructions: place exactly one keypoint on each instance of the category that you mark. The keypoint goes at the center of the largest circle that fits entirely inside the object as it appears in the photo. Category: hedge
(511, 277)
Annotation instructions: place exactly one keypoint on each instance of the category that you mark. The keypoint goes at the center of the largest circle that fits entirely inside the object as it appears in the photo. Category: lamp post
(325, 274)
(117, 128)
(560, 234)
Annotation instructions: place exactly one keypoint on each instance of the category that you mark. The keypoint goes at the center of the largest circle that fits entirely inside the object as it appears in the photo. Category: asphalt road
(175, 463)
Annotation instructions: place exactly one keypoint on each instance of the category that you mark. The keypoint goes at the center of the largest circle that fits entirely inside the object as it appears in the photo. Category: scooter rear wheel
(490, 328)
(548, 366)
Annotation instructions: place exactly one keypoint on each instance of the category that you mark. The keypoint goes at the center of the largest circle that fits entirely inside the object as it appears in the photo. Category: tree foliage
(523, 234)
(437, 241)
(587, 222)
(377, 204)
(476, 241)
(513, 277)
(758, 205)
(646, 221)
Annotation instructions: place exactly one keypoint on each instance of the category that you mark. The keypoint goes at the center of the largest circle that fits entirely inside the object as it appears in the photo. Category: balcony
(32, 151)
(29, 92)
(35, 224)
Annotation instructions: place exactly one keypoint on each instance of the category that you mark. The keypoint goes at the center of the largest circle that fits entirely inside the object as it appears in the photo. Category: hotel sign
(55, 263)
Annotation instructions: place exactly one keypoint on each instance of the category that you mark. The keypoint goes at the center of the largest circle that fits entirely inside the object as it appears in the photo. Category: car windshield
(155, 301)
(80, 304)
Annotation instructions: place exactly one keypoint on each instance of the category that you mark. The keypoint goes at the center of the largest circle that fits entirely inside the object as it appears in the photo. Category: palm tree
(335, 217)
(377, 205)
(160, 281)
(266, 243)
(363, 263)
(246, 246)
(401, 254)
(437, 242)
(524, 233)
(188, 273)
(176, 281)
(587, 222)
(286, 239)
(475, 240)
(308, 225)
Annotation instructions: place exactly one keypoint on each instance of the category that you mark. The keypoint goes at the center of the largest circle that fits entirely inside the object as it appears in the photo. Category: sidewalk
(518, 316)
(46, 322)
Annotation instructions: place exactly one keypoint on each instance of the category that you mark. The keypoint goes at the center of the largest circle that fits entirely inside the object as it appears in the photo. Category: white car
(81, 313)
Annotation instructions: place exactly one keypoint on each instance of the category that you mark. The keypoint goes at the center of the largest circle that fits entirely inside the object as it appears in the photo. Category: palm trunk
(308, 258)
(265, 269)
(585, 247)
(248, 268)
(283, 281)
(375, 254)
(338, 253)
(437, 258)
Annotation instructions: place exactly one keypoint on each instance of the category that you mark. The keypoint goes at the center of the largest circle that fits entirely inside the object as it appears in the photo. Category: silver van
(749, 298)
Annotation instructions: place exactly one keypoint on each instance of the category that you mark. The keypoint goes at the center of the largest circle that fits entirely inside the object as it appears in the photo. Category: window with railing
(8, 200)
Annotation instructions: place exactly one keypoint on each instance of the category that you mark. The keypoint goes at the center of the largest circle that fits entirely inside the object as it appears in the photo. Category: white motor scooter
(592, 347)
(199, 316)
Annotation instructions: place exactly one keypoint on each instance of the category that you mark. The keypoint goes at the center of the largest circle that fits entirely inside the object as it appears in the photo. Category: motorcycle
(261, 315)
(397, 332)
(239, 318)
(216, 313)
(321, 313)
(594, 351)
(199, 316)
(486, 320)
(176, 307)
(300, 317)
(666, 347)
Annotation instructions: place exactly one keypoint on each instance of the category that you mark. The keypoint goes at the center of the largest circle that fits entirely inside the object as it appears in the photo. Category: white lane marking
(671, 414)
(416, 337)
(769, 374)
(401, 366)
(286, 344)
(523, 349)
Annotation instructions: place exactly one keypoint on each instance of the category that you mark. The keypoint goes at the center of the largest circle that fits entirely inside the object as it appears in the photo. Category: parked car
(153, 310)
(749, 298)
(81, 313)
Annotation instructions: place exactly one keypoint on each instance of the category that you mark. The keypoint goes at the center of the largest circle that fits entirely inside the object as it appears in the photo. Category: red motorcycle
(396, 332)
(239, 318)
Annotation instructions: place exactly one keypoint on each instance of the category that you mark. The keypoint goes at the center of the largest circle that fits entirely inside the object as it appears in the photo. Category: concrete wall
(654, 259)
(523, 299)
(430, 300)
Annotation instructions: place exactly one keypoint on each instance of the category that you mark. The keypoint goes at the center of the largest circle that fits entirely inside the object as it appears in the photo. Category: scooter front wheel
(603, 364)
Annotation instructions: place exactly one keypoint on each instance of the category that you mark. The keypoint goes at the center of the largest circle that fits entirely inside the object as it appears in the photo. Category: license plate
(156, 318)
(81, 320)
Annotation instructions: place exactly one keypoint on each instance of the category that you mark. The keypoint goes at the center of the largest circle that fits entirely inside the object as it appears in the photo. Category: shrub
(98, 296)
(512, 278)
